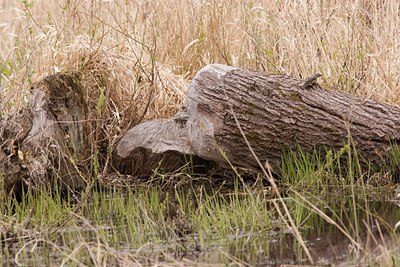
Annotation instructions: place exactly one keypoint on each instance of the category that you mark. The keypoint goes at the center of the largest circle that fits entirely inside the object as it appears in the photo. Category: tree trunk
(275, 112)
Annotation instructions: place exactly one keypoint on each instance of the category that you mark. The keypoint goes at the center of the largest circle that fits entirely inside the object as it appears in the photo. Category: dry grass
(143, 52)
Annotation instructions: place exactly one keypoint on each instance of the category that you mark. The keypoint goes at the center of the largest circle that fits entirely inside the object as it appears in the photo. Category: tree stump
(275, 112)
(47, 142)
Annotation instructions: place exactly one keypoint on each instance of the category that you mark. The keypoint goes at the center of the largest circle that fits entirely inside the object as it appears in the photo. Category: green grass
(325, 168)
(173, 221)
(164, 221)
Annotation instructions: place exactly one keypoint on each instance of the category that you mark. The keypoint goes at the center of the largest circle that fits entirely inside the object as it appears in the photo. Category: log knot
(310, 81)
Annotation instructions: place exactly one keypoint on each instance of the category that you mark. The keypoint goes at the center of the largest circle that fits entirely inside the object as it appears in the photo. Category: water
(351, 231)
(362, 235)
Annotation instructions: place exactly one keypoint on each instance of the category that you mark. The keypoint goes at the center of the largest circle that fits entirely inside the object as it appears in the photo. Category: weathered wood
(275, 112)
(47, 142)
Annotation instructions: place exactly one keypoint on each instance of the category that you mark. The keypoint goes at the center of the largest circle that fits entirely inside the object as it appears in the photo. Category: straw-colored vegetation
(131, 45)
(135, 59)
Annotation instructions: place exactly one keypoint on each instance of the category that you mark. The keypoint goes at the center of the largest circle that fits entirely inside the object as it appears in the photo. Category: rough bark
(47, 142)
(276, 112)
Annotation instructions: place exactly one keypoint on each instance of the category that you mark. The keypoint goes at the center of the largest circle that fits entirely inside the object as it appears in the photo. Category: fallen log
(275, 112)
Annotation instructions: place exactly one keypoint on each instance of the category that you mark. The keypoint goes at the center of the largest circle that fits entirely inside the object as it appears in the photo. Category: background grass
(140, 48)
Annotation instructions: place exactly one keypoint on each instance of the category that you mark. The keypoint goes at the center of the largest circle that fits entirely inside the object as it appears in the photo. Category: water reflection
(367, 232)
